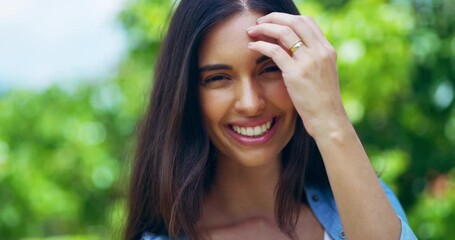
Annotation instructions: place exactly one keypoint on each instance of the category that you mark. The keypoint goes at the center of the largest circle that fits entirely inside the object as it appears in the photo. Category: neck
(242, 193)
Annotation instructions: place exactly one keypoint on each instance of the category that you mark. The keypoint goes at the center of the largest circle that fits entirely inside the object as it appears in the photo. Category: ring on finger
(296, 46)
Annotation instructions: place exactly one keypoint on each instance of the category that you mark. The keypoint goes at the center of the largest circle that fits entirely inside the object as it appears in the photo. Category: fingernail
(250, 29)
(260, 20)
(250, 44)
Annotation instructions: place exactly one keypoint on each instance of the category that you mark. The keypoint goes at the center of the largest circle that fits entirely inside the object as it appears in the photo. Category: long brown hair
(174, 163)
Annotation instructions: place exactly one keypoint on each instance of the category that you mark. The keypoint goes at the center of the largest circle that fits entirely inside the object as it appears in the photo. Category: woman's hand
(310, 72)
(311, 78)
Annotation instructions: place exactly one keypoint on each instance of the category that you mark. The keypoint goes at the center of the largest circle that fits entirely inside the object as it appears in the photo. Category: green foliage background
(64, 152)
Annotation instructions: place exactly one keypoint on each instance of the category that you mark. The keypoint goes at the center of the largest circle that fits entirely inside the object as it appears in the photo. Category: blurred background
(75, 76)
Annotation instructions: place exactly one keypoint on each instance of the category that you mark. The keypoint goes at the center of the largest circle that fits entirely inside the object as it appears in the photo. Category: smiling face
(246, 108)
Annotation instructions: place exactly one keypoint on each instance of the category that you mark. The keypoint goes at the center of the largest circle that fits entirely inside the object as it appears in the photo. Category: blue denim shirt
(322, 202)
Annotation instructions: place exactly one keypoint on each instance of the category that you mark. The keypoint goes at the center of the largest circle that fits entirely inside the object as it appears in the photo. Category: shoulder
(406, 231)
(393, 200)
(322, 203)
(316, 192)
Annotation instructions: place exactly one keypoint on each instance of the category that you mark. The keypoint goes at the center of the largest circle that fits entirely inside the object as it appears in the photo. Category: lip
(252, 140)
(252, 122)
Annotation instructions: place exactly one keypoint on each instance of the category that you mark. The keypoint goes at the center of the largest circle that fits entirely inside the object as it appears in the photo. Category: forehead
(228, 38)
(234, 26)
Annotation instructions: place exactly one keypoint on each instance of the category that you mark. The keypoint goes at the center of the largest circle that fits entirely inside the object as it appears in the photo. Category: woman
(246, 136)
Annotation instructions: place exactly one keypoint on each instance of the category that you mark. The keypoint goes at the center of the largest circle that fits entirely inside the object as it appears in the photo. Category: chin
(254, 159)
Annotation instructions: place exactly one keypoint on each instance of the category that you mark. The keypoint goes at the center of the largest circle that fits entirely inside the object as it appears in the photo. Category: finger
(284, 34)
(273, 51)
(320, 35)
(299, 24)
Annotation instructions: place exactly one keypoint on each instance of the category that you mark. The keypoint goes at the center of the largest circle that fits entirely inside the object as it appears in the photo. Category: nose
(250, 100)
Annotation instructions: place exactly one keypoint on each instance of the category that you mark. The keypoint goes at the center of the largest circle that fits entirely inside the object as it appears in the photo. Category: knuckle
(309, 19)
(286, 31)
(324, 55)
(275, 50)
(312, 63)
(331, 52)
(297, 21)
(328, 55)
(273, 14)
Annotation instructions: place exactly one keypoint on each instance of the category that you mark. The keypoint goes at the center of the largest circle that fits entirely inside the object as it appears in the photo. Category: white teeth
(257, 130)
(253, 131)
(242, 131)
(264, 127)
(250, 131)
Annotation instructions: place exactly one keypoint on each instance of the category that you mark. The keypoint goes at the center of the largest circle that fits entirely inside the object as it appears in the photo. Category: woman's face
(246, 108)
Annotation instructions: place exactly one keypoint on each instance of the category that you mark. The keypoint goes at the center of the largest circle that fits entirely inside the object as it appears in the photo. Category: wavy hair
(174, 162)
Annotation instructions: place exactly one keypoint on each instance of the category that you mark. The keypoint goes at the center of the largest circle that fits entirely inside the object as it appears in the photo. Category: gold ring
(296, 46)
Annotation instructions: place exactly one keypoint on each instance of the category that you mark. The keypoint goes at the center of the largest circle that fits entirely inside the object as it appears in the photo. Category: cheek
(278, 92)
(212, 106)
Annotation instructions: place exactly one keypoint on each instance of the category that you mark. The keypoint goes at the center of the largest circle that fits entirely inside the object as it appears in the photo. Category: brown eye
(215, 81)
(215, 78)
(271, 69)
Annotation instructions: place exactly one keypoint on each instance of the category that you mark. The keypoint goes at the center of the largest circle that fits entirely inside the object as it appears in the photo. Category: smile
(253, 131)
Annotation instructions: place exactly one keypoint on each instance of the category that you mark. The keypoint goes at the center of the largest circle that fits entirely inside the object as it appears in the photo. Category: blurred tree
(64, 152)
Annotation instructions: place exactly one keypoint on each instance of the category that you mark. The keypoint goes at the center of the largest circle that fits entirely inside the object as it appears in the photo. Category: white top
(326, 236)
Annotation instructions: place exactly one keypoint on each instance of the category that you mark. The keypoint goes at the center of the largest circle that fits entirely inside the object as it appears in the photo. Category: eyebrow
(213, 67)
(262, 59)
